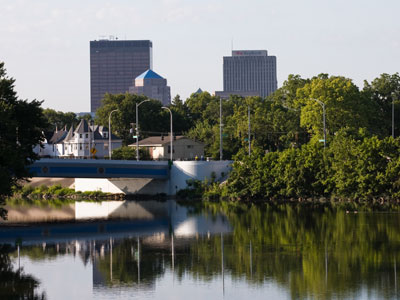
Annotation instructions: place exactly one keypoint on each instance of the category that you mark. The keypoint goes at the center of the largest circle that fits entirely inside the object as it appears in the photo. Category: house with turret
(81, 142)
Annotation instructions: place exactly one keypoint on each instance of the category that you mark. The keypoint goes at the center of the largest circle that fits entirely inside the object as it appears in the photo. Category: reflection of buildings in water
(124, 219)
(130, 250)
(120, 210)
(185, 223)
(33, 214)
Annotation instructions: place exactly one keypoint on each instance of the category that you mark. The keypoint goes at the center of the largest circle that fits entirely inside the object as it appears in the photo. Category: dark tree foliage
(21, 127)
(153, 120)
(14, 284)
(59, 119)
(384, 92)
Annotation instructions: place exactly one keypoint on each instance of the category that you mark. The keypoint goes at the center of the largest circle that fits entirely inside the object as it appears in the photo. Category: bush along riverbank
(354, 167)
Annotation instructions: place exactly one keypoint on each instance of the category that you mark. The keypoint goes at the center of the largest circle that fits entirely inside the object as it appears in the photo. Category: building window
(80, 135)
(169, 149)
(80, 146)
(105, 146)
(190, 146)
(86, 135)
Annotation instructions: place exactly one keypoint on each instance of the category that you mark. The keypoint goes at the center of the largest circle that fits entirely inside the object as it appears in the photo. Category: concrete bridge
(130, 177)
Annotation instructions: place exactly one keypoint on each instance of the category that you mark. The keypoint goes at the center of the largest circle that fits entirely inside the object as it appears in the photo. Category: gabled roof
(199, 91)
(148, 75)
(57, 137)
(83, 127)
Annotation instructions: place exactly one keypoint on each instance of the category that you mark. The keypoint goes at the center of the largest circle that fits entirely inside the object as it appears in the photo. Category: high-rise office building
(113, 65)
(249, 73)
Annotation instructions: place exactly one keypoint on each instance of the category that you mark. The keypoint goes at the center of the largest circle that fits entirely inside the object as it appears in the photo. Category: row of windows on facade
(75, 147)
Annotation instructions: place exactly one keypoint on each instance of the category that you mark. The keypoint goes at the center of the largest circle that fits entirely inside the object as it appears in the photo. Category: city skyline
(45, 44)
(249, 72)
(114, 65)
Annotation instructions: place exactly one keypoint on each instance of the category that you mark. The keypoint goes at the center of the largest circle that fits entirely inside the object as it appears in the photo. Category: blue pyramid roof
(148, 74)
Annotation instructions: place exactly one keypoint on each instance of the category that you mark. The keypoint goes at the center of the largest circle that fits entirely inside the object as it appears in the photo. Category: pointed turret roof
(149, 74)
(83, 127)
(70, 134)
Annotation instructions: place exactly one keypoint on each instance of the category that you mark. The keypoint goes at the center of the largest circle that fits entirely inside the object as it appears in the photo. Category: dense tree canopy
(58, 119)
(21, 127)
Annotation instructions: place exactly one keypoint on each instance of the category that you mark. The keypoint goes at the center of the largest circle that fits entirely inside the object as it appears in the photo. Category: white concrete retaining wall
(180, 172)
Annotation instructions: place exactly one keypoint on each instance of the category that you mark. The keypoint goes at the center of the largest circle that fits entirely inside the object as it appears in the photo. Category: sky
(45, 43)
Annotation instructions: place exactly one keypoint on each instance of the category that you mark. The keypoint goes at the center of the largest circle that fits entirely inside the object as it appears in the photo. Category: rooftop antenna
(232, 44)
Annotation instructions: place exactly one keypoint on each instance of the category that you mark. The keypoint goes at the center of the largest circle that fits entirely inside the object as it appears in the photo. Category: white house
(184, 148)
(78, 143)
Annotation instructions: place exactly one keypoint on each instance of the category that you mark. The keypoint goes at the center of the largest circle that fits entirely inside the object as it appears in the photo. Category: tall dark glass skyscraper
(249, 73)
(114, 64)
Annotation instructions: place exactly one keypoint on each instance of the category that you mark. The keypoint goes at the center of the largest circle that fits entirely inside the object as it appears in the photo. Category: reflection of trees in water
(319, 252)
(124, 263)
(311, 252)
(14, 284)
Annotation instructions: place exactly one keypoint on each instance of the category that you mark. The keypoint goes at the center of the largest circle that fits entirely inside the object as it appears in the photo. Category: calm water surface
(164, 250)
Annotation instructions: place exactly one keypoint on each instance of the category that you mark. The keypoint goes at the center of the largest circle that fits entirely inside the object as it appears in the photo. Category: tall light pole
(172, 134)
(324, 118)
(137, 127)
(393, 115)
(248, 114)
(220, 128)
(109, 134)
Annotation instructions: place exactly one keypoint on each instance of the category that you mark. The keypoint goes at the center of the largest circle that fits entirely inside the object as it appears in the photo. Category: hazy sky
(45, 43)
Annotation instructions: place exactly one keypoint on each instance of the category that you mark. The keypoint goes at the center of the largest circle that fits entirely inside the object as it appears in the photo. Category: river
(166, 250)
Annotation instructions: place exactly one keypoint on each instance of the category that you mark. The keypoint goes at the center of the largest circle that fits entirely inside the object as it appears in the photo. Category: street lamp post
(248, 114)
(220, 128)
(324, 118)
(393, 115)
(137, 127)
(109, 134)
(172, 134)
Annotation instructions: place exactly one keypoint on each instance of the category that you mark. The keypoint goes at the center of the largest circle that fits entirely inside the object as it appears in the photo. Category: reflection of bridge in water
(104, 220)
(97, 232)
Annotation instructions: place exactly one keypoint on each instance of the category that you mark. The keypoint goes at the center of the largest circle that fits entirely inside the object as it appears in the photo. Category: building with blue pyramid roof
(153, 86)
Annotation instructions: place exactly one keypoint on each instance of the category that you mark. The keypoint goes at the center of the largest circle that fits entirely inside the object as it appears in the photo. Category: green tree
(59, 119)
(181, 116)
(21, 127)
(152, 119)
(345, 106)
(383, 91)
(129, 153)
